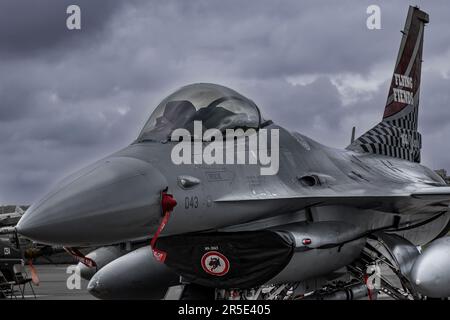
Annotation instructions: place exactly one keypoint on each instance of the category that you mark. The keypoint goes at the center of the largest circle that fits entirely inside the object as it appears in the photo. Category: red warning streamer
(34, 275)
(369, 291)
(81, 257)
(167, 205)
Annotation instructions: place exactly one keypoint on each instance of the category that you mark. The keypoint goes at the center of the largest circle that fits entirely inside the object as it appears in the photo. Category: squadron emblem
(215, 263)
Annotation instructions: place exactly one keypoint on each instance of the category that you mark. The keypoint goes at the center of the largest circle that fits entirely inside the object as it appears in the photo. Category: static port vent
(309, 180)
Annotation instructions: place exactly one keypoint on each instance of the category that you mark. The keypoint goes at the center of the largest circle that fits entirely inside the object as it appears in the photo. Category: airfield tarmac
(53, 286)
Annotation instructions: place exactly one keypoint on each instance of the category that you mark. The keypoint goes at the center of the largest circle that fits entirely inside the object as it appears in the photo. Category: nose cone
(113, 200)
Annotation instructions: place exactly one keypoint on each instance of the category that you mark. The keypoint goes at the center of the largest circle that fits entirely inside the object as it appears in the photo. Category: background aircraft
(9, 217)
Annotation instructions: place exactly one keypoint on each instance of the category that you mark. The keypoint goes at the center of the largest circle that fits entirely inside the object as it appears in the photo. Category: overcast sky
(70, 97)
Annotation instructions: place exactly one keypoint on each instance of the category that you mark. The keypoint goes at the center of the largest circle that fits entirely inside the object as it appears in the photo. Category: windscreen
(215, 106)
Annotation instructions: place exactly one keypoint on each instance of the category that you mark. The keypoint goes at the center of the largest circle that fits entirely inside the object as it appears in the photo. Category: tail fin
(396, 135)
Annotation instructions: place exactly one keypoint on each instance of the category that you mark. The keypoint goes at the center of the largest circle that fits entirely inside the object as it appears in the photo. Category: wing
(421, 200)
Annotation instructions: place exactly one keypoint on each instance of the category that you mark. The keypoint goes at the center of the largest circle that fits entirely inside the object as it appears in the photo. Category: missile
(102, 256)
(136, 275)
(430, 273)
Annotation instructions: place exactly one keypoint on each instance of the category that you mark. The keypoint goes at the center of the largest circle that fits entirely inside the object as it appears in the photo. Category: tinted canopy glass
(215, 106)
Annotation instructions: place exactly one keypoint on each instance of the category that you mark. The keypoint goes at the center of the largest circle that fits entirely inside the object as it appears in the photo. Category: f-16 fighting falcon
(214, 201)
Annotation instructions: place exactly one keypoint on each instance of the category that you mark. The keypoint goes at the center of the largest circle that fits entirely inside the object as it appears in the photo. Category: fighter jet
(10, 218)
(214, 201)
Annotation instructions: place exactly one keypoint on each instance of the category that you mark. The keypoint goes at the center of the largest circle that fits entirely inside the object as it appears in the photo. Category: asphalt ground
(53, 285)
(56, 283)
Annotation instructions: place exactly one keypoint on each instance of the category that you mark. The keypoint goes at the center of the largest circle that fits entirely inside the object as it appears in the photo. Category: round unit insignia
(215, 263)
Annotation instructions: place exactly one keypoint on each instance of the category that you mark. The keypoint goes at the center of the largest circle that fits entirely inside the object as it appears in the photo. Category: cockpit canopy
(214, 105)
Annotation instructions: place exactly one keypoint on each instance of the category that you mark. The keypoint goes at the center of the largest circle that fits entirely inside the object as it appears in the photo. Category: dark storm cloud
(70, 97)
(33, 27)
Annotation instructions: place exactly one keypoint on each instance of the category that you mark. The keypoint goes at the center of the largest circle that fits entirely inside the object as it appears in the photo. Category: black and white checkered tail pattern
(390, 139)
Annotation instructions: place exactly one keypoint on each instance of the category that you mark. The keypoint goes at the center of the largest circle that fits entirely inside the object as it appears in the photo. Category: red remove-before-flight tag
(88, 262)
(167, 205)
